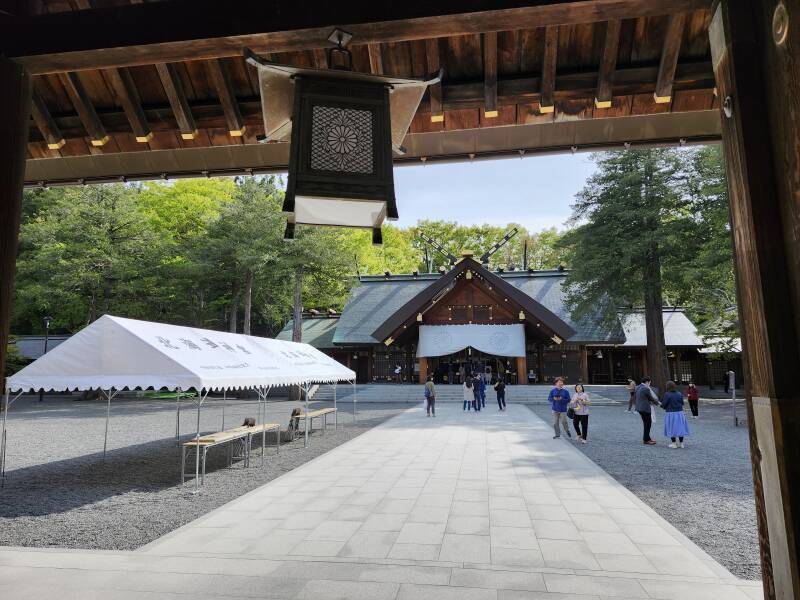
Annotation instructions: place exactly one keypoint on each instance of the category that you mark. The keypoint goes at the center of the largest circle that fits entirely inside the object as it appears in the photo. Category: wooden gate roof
(129, 77)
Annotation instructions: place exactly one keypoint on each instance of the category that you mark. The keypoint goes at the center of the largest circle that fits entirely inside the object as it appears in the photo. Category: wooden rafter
(669, 58)
(470, 94)
(125, 91)
(375, 59)
(45, 122)
(177, 100)
(608, 63)
(435, 90)
(85, 109)
(549, 59)
(227, 97)
(490, 75)
(163, 32)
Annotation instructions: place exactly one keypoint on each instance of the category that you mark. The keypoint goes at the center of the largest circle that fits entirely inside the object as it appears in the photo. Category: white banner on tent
(117, 353)
(498, 340)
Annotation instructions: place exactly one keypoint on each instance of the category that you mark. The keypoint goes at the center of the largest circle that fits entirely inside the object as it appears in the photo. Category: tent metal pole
(224, 398)
(7, 404)
(200, 398)
(335, 414)
(263, 431)
(305, 441)
(355, 401)
(178, 416)
(109, 395)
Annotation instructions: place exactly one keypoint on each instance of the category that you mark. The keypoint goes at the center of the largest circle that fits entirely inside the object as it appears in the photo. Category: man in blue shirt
(559, 399)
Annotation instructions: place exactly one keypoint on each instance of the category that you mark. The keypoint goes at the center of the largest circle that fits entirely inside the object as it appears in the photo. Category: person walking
(675, 423)
(693, 396)
(467, 389)
(644, 398)
(632, 392)
(476, 393)
(482, 379)
(430, 396)
(559, 399)
(580, 413)
(500, 388)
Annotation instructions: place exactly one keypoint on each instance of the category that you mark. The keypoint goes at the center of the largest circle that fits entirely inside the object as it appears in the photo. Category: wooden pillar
(584, 364)
(423, 369)
(540, 364)
(522, 370)
(755, 47)
(15, 97)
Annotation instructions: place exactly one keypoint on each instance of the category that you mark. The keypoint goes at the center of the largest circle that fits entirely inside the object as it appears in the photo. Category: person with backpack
(500, 388)
(467, 389)
(430, 397)
(559, 399)
(693, 396)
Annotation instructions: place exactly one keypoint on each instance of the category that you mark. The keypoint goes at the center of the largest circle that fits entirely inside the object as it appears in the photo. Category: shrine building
(513, 323)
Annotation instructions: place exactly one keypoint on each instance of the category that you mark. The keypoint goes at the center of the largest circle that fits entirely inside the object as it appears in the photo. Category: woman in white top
(580, 419)
(469, 396)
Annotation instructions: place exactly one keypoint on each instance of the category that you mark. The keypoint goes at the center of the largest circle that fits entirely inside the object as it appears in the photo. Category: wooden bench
(315, 414)
(244, 433)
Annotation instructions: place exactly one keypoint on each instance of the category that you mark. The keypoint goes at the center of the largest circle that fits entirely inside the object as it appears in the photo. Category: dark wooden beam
(375, 59)
(177, 100)
(85, 109)
(605, 75)
(128, 96)
(490, 75)
(669, 58)
(227, 97)
(549, 59)
(320, 58)
(45, 123)
(755, 46)
(15, 95)
(435, 90)
(163, 32)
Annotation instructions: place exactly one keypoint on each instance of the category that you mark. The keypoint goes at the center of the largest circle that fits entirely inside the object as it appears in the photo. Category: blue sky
(536, 191)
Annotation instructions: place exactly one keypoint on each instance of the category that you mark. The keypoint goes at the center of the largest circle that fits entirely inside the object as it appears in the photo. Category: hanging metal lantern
(344, 128)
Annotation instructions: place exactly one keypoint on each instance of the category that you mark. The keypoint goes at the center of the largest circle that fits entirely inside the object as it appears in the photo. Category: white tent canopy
(116, 354)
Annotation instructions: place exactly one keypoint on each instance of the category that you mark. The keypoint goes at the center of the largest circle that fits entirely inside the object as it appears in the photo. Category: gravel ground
(705, 490)
(60, 493)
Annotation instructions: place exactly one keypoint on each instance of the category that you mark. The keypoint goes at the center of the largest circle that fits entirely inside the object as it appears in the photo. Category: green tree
(709, 284)
(91, 252)
(635, 229)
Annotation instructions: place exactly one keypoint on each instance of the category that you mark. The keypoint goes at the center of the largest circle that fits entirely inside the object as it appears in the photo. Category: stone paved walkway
(464, 506)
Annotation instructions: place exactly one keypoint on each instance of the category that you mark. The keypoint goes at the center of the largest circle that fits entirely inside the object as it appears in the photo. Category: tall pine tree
(633, 226)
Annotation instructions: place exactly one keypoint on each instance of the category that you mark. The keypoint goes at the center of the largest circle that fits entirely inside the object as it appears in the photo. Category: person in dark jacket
(644, 398)
(482, 379)
(675, 424)
(693, 396)
(500, 388)
(476, 393)
(559, 399)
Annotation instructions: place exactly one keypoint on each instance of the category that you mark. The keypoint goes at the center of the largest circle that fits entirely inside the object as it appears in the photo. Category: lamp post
(47, 321)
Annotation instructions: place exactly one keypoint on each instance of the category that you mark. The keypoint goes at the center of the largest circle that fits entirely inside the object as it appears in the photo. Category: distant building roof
(376, 297)
(317, 331)
(32, 346)
(678, 329)
(721, 345)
